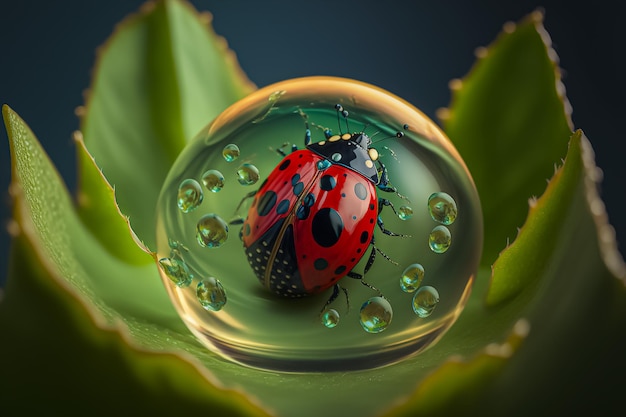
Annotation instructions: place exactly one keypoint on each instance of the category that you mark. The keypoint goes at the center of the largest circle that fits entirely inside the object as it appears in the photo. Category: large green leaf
(105, 314)
(161, 77)
(510, 122)
(76, 322)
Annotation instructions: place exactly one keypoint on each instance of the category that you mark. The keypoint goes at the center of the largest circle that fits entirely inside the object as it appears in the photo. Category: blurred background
(413, 49)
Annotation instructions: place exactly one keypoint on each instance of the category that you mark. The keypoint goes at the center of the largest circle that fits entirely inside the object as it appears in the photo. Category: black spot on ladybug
(282, 207)
(340, 270)
(295, 179)
(345, 175)
(364, 236)
(327, 182)
(320, 264)
(266, 203)
(309, 200)
(371, 221)
(303, 212)
(343, 195)
(353, 217)
(360, 191)
(284, 165)
(327, 226)
(298, 188)
(372, 206)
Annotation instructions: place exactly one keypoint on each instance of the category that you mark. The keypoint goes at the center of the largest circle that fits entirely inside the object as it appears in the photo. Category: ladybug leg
(280, 150)
(334, 296)
(245, 197)
(355, 275)
(384, 184)
(382, 202)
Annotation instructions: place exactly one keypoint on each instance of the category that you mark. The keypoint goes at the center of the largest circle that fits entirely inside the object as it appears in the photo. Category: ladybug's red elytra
(313, 218)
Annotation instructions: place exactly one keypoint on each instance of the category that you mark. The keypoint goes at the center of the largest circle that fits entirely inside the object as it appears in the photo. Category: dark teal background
(412, 49)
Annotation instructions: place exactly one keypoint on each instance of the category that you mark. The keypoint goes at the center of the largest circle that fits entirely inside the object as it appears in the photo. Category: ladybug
(313, 218)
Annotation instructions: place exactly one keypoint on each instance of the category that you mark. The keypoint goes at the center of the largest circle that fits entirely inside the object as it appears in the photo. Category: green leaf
(507, 121)
(570, 322)
(73, 319)
(161, 77)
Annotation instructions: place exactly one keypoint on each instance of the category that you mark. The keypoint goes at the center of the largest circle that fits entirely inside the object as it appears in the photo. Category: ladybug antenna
(398, 134)
(341, 111)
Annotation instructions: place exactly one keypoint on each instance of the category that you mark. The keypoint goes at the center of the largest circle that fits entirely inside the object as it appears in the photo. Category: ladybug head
(351, 151)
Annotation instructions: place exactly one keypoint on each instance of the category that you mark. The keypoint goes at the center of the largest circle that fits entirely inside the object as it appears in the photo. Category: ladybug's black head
(351, 151)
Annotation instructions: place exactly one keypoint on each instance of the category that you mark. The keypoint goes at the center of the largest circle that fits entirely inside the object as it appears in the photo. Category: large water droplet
(412, 277)
(376, 315)
(213, 180)
(439, 239)
(189, 195)
(293, 334)
(211, 294)
(425, 300)
(442, 208)
(212, 231)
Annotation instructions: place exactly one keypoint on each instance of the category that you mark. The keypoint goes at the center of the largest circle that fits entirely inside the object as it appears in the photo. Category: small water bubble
(425, 300)
(230, 152)
(439, 239)
(177, 271)
(442, 208)
(190, 195)
(330, 318)
(412, 278)
(212, 231)
(247, 174)
(213, 180)
(376, 315)
(211, 294)
(405, 212)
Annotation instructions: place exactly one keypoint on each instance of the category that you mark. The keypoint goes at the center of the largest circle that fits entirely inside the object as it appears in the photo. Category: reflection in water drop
(425, 300)
(177, 271)
(405, 212)
(247, 174)
(442, 208)
(211, 294)
(439, 239)
(212, 231)
(262, 330)
(330, 318)
(376, 315)
(230, 152)
(213, 180)
(189, 195)
(412, 277)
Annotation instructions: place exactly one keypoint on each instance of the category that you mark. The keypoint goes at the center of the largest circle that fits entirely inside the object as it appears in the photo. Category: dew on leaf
(330, 318)
(213, 180)
(176, 271)
(230, 152)
(211, 294)
(439, 239)
(442, 208)
(376, 314)
(412, 277)
(425, 300)
(247, 174)
(212, 231)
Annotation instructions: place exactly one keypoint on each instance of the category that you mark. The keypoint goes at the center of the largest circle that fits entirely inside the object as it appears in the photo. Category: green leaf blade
(72, 311)
(160, 78)
(510, 122)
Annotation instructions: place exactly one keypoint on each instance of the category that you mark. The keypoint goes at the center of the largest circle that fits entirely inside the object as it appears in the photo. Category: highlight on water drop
(190, 195)
(211, 294)
(230, 152)
(425, 300)
(212, 231)
(442, 208)
(213, 180)
(439, 239)
(376, 315)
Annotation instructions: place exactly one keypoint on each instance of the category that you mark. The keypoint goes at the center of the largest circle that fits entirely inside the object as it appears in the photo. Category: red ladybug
(313, 218)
